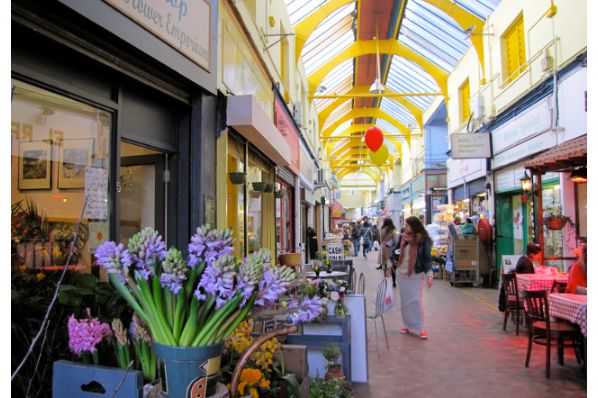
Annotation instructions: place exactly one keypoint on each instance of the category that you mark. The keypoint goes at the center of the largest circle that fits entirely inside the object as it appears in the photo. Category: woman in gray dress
(414, 269)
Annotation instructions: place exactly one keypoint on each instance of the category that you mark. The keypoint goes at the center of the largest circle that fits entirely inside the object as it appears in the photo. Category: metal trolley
(466, 262)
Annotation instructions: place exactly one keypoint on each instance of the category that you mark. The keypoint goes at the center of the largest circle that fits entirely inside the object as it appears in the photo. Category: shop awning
(245, 114)
(563, 157)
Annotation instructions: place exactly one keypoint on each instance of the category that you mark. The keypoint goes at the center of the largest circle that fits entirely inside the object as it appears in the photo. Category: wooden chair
(545, 332)
(361, 284)
(512, 303)
(558, 287)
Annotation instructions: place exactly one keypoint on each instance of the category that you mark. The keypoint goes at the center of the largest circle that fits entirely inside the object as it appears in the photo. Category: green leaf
(293, 384)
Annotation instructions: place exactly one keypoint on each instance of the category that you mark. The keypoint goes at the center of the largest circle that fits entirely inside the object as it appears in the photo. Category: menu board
(336, 251)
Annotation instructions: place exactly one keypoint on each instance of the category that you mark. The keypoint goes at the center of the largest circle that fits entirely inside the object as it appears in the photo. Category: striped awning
(563, 157)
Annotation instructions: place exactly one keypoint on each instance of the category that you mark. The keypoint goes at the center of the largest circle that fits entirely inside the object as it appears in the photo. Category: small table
(571, 307)
(328, 275)
(539, 281)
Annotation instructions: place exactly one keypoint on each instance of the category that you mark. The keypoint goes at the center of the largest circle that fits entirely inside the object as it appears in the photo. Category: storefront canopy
(563, 157)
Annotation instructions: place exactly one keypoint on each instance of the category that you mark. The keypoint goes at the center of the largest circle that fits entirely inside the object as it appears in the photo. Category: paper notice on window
(96, 193)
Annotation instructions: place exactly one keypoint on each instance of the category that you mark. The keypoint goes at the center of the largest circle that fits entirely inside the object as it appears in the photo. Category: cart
(466, 263)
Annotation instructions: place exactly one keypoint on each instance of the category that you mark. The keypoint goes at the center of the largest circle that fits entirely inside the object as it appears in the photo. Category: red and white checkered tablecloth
(538, 281)
(572, 307)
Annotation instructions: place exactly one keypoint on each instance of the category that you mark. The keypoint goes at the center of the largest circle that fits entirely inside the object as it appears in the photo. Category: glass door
(142, 191)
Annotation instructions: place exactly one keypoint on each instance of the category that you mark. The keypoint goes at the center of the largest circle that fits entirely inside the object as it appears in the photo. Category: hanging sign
(470, 146)
(336, 251)
(96, 193)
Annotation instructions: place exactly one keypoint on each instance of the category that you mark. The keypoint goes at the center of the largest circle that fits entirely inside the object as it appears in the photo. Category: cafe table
(328, 275)
(571, 307)
(539, 281)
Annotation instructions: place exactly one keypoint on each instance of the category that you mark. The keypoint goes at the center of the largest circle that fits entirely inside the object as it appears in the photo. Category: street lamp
(526, 185)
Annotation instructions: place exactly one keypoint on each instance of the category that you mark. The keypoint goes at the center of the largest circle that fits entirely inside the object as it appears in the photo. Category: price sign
(336, 251)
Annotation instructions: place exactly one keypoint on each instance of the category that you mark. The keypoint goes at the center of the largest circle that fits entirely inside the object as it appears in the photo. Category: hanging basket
(237, 178)
(259, 186)
(278, 194)
(269, 187)
(556, 223)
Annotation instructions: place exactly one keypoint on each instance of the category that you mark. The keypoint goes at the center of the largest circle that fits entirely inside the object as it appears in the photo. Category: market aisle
(467, 355)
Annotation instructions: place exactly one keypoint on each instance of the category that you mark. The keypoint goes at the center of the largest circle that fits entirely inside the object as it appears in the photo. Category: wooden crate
(466, 254)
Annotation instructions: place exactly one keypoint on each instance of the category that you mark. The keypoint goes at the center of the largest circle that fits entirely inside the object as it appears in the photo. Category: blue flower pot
(188, 372)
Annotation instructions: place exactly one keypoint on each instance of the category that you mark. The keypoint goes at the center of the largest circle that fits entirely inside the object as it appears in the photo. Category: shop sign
(307, 168)
(572, 104)
(539, 143)
(284, 124)
(335, 251)
(418, 187)
(534, 120)
(468, 169)
(470, 146)
(183, 24)
(406, 194)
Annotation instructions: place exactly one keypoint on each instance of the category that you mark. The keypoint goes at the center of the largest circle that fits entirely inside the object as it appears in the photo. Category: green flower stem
(179, 315)
(192, 281)
(96, 357)
(229, 327)
(164, 333)
(85, 357)
(145, 360)
(211, 326)
(205, 310)
(191, 325)
(157, 295)
(169, 308)
(152, 364)
(122, 289)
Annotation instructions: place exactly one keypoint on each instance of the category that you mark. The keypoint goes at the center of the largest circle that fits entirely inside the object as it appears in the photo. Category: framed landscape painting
(35, 165)
(75, 155)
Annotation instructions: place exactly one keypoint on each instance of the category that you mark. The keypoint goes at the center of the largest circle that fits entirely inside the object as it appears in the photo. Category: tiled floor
(467, 354)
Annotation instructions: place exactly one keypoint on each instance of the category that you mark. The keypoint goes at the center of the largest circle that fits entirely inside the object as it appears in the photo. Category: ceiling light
(579, 175)
(376, 87)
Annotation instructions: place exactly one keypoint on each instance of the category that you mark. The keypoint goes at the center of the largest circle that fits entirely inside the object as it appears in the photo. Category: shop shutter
(514, 50)
(464, 96)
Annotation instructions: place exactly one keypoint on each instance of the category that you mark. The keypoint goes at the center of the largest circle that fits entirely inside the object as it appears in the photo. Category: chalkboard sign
(336, 251)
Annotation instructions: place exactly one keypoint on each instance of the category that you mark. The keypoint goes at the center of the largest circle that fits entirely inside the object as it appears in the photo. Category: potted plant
(237, 177)
(334, 369)
(191, 305)
(554, 219)
(333, 388)
(269, 187)
(259, 186)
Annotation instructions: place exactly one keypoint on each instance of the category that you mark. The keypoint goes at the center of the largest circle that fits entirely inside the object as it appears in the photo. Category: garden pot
(269, 187)
(334, 372)
(188, 372)
(258, 186)
(237, 178)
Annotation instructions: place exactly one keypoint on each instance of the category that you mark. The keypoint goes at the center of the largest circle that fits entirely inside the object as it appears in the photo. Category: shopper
(578, 275)
(366, 234)
(414, 267)
(468, 227)
(388, 241)
(312, 242)
(355, 239)
(525, 264)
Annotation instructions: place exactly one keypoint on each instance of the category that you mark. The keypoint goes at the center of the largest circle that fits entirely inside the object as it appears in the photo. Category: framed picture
(35, 164)
(75, 155)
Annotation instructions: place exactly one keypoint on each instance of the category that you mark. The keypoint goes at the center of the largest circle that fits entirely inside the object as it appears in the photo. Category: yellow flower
(40, 276)
(253, 392)
(23, 268)
(251, 376)
(264, 383)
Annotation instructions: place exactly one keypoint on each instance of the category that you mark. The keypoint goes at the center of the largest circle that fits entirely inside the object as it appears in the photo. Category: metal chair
(558, 287)
(378, 311)
(353, 280)
(361, 284)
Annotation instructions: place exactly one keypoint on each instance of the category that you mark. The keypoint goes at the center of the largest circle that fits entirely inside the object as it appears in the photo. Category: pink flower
(85, 334)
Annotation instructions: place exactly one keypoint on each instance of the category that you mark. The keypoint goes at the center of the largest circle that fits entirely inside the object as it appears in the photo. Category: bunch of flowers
(193, 301)
(252, 379)
(85, 335)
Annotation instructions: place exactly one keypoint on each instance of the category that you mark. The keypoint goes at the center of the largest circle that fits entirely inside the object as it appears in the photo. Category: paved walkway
(467, 354)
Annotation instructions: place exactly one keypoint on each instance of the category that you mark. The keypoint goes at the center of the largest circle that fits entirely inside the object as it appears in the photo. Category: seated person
(468, 227)
(525, 263)
(578, 276)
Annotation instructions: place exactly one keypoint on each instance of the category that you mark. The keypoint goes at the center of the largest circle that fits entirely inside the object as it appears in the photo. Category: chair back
(361, 284)
(558, 287)
(537, 306)
(581, 290)
(380, 296)
(510, 287)
(353, 280)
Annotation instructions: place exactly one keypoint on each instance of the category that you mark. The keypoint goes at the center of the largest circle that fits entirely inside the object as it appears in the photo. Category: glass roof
(433, 34)
(332, 36)
(424, 28)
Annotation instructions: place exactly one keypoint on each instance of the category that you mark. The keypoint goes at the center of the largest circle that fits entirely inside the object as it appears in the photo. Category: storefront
(436, 196)
(466, 180)
(112, 124)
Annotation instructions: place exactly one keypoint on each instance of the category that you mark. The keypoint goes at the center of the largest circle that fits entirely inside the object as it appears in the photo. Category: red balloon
(374, 138)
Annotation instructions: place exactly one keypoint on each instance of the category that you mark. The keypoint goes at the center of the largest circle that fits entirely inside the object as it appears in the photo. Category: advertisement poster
(517, 224)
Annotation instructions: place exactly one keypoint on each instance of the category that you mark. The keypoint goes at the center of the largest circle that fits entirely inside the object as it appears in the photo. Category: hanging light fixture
(377, 87)
(579, 175)
(526, 182)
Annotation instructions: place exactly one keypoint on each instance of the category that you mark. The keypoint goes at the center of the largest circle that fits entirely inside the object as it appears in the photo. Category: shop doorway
(504, 228)
(142, 191)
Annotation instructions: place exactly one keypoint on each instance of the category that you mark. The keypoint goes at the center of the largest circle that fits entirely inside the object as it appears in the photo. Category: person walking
(388, 241)
(366, 233)
(355, 239)
(414, 267)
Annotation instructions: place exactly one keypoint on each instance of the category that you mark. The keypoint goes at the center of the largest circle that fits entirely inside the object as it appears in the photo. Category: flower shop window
(60, 157)
(235, 191)
(260, 202)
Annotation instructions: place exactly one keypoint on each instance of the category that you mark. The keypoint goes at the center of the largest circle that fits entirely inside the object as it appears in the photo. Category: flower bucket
(188, 372)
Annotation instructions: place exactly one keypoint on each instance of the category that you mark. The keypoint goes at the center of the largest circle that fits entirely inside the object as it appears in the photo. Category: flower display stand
(79, 380)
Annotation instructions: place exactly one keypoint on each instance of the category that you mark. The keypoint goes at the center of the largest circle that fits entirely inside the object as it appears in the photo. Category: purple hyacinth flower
(146, 248)
(115, 259)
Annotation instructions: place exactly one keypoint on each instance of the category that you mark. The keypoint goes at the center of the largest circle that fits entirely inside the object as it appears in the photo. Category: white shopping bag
(389, 297)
